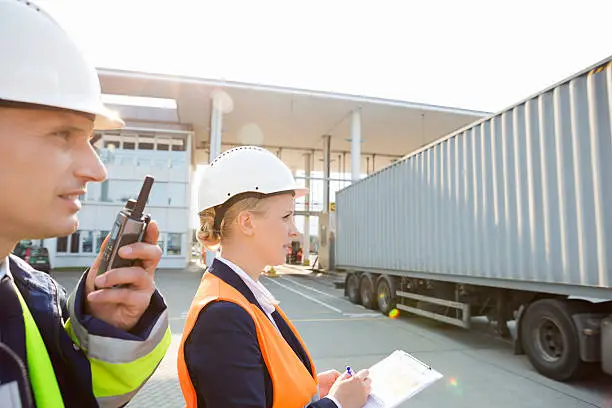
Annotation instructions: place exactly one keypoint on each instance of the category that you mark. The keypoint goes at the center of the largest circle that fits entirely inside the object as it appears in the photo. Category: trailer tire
(550, 340)
(367, 291)
(352, 288)
(386, 294)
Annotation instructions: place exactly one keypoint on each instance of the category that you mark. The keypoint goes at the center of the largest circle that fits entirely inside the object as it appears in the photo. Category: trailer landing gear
(503, 315)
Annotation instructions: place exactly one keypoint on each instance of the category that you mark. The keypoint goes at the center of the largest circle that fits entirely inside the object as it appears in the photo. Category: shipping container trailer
(509, 218)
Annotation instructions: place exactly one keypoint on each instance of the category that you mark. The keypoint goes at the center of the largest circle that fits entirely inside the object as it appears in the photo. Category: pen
(349, 371)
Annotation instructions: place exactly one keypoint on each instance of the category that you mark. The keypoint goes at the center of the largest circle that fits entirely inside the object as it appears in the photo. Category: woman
(238, 347)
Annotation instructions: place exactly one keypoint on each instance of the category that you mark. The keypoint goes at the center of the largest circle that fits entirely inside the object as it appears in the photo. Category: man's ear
(245, 223)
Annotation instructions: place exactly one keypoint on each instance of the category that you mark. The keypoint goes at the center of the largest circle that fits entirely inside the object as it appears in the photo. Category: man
(101, 344)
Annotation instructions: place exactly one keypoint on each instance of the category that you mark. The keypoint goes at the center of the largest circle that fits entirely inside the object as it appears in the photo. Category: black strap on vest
(13, 357)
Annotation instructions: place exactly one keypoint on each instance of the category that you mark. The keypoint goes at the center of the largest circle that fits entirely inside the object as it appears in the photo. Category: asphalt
(479, 369)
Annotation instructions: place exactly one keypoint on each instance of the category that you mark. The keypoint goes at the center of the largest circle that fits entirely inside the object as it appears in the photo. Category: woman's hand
(326, 380)
(352, 392)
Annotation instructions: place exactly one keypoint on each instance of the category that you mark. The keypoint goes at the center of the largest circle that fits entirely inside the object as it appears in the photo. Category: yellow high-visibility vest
(40, 370)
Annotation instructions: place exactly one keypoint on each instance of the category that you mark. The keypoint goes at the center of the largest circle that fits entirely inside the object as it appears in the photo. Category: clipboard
(397, 378)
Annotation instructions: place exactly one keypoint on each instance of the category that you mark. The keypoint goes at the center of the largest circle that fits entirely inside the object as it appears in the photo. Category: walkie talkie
(130, 226)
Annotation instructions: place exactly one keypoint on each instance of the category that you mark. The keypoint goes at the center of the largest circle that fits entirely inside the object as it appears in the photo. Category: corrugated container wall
(525, 194)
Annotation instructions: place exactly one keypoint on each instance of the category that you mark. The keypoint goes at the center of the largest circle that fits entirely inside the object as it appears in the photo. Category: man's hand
(123, 307)
(326, 380)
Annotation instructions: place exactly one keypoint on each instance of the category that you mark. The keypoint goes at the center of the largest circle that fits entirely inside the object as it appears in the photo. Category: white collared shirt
(4, 268)
(263, 296)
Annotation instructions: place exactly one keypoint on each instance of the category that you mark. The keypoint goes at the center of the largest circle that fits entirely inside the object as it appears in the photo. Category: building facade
(130, 156)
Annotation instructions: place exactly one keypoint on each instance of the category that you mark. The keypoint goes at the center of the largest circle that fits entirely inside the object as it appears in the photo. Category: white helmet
(41, 65)
(242, 170)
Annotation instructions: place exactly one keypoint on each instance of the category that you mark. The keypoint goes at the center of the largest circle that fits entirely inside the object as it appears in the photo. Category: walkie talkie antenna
(142, 197)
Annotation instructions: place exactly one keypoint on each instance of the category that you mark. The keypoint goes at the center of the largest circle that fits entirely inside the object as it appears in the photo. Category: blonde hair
(211, 236)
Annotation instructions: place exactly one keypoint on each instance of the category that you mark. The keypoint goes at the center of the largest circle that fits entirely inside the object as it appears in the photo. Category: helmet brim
(301, 192)
(106, 119)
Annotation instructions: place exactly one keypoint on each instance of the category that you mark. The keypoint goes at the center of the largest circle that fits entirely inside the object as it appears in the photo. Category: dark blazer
(222, 354)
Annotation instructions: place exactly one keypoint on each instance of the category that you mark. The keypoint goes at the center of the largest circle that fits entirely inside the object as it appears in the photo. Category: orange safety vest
(293, 385)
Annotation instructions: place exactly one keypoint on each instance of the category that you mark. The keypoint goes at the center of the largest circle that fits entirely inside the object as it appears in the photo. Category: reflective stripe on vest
(40, 370)
(293, 386)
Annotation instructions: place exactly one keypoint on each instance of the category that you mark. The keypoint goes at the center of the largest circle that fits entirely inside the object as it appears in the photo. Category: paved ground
(479, 370)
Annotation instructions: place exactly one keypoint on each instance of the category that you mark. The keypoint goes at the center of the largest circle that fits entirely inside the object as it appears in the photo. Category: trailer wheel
(368, 296)
(385, 290)
(352, 287)
(551, 341)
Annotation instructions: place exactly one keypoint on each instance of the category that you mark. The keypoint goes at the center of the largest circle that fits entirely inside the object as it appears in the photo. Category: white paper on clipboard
(397, 378)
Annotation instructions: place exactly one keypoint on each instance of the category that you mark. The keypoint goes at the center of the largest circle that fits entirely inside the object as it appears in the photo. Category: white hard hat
(41, 65)
(246, 169)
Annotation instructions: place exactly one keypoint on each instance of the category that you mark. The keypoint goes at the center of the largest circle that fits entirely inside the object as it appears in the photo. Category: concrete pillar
(313, 162)
(216, 128)
(356, 145)
(221, 103)
(190, 220)
(306, 248)
(343, 177)
(326, 172)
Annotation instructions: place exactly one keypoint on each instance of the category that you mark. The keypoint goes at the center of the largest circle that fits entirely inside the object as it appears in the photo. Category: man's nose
(89, 166)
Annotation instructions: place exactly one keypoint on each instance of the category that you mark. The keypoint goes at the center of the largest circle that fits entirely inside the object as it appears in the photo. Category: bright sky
(475, 54)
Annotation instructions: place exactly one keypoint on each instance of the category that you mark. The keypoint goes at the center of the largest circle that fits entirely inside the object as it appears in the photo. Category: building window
(129, 161)
(123, 190)
(159, 194)
(144, 162)
(174, 244)
(74, 242)
(145, 146)
(177, 193)
(81, 242)
(163, 146)
(87, 242)
(93, 192)
(100, 239)
(178, 146)
(177, 161)
(161, 242)
(104, 191)
(62, 245)
(129, 145)
(160, 164)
